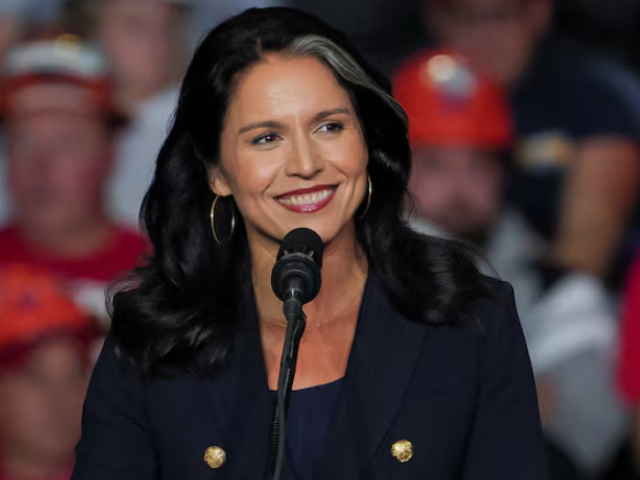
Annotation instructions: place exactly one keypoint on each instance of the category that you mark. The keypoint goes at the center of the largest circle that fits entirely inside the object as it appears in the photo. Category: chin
(327, 224)
(328, 231)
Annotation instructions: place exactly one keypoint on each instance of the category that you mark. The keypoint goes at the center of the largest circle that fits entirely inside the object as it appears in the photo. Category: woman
(412, 365)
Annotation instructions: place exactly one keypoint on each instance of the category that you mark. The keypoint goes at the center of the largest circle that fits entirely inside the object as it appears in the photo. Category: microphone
(295, 280)
(296, 274)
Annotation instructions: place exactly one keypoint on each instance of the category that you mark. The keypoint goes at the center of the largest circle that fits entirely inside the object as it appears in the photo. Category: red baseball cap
(57, 74)
(34, 308)
(449, 104)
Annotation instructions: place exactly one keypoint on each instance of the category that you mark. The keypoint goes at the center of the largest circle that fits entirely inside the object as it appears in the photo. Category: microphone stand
(296, 323)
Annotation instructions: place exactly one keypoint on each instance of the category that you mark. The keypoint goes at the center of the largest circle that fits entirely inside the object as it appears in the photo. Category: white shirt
(571, 337)
(136, 155)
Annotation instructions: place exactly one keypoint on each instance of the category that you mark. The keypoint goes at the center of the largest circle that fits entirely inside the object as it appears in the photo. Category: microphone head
(302, 240)
(297, 269)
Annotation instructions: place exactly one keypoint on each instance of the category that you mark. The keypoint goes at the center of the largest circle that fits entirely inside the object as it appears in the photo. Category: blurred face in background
(41, 404)
(498, 37)
(458, 189)
(58, 163)
(145, 42)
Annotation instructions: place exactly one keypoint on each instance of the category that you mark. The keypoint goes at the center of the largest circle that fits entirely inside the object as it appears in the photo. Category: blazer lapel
(383, 358)
(241, 403)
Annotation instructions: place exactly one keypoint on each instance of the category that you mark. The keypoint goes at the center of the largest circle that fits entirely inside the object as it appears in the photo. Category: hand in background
(546, 397)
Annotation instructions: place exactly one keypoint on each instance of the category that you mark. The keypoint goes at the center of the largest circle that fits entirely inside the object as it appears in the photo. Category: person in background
(209, 14)
(46, 346)
(576, 136)
(32, 13)
(461, 134)
(11, 30)
(146, 45)
(11, 26)
(629, 369)
(383, 30)
(57, 111)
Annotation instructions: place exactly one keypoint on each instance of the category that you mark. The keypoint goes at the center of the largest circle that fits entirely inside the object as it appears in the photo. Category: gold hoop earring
(369, 195)
(212, 219)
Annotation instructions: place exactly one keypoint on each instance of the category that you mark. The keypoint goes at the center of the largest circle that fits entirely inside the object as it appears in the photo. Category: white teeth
(306, 199)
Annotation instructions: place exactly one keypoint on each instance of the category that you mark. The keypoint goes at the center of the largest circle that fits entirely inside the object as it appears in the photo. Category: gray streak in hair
(343, 64)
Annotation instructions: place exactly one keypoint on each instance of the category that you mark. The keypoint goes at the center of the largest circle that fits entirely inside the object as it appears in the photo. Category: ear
(218, 181)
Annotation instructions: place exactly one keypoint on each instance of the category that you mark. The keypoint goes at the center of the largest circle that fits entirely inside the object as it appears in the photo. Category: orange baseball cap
(449, 104)
(33, 308)
(57, 74)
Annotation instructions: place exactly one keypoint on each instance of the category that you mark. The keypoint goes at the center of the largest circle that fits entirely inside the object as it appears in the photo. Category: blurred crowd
(526, 145)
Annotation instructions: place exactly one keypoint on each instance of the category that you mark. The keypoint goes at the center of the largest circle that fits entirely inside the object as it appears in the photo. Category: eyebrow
(327, 113)
(276, 125)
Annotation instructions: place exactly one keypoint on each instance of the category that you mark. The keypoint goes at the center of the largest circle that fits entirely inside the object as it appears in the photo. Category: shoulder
(584, 95)
(121, 253)
(130, 245)
(8, 233)
(114, 376)
(496, 310)
(593, 83)
(11, 245)
(571, 67)
(130, 239)
(111, 363)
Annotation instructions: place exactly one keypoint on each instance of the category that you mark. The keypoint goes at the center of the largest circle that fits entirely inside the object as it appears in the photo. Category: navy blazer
(464, 396)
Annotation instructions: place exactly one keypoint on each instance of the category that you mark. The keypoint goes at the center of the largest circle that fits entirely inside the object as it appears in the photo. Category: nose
(304, 159)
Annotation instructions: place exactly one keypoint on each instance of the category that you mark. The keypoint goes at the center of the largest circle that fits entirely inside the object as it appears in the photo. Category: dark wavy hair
(179, 309)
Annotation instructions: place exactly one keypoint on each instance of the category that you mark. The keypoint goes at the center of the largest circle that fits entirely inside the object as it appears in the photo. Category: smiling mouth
(308, 201)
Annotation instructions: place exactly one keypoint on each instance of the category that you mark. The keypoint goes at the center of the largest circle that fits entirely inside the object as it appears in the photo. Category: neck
(20, 465)
(73, 242)
(344, 273)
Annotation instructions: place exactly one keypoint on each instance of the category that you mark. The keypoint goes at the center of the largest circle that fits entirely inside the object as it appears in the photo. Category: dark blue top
(563, 100)
(309, 416)
(558, 103)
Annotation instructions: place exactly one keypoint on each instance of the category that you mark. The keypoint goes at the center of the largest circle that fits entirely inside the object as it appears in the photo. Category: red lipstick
(307, 200)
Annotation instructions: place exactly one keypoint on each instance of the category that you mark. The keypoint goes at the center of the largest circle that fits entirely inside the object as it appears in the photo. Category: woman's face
(292, 151)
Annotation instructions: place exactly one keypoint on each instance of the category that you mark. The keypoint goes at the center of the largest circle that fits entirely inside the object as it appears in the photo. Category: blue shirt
(560, 102)
(309, 416)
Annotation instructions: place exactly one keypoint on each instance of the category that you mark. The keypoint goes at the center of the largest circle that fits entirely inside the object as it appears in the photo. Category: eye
(333, 127)
(265, 139)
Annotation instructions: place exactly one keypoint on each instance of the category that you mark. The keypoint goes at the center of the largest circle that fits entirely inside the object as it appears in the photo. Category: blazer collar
(383, 358)
(240, 399)
(384, 355)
